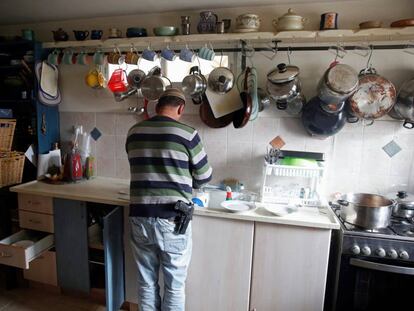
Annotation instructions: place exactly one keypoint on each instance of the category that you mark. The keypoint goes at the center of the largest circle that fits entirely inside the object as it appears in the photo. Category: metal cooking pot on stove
(404, 107)
(283, 83)
(194, 85)
(338, 83)
(220, 80)
(369, 211)
(404, 206)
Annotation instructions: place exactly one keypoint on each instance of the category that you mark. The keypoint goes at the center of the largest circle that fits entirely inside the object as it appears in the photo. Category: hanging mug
(82, 58)
(206, 53)
(116, 58)
(68, 57)
(168, 54)
(54, 58)
(131, 57)
(99, 57)
(149, 55)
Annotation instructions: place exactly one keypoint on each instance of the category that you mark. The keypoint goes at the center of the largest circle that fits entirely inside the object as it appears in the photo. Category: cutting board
(222, 105)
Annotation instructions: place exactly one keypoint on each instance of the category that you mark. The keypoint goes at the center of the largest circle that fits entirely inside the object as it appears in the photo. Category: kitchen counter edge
(114, 191)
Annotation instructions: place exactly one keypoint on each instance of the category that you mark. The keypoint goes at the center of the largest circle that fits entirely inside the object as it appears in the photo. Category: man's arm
(199, 166)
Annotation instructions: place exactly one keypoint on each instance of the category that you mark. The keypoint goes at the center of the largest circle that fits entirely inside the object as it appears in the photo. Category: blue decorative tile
(95, 134)
(392, 148)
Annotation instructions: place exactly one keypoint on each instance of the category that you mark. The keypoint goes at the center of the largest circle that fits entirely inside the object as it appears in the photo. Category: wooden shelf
(305, 36)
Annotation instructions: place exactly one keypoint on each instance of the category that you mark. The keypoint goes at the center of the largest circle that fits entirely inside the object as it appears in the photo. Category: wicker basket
(11, 168)
(7, 127)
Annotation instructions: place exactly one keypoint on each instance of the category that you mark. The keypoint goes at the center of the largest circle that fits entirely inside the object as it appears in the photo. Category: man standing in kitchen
(167, 159)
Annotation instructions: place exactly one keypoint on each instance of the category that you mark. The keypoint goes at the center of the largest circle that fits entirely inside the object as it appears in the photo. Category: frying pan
(242, 116)
(207, 116)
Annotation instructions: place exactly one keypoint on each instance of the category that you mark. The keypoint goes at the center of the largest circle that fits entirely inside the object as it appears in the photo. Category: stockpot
(404, 107)
(338, 83)
(369, 211)
(154, 84)
(283, 83)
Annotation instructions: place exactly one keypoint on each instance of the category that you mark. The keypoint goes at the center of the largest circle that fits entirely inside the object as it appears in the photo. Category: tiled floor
(38, 300)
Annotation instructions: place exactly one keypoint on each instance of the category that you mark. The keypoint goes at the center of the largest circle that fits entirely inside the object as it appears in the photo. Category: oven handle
(381, 267)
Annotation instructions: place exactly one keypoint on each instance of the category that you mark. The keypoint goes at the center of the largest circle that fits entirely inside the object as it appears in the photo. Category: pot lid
(221, 80)
(283, 73)
(402, 197)
(290, 14)
(342, 78)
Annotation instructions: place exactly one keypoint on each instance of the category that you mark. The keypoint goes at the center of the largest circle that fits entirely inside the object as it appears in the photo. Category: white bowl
(237, 206)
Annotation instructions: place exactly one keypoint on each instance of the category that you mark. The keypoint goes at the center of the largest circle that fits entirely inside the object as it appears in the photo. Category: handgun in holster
(185, 214)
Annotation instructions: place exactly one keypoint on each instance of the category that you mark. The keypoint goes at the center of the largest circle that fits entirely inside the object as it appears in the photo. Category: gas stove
(395, 242)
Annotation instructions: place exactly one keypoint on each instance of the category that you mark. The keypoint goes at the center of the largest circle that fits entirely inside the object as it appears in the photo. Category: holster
(185, 214)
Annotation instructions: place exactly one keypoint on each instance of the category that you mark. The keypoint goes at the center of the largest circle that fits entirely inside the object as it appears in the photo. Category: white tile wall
(356, 161)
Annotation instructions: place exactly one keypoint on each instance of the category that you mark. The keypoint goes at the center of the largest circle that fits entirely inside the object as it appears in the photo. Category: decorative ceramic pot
(289, 21)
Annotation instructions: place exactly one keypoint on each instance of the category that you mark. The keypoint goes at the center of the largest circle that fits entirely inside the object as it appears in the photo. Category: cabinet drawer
(43, 269)
(36, 221)
(20, 257)
(36, 203)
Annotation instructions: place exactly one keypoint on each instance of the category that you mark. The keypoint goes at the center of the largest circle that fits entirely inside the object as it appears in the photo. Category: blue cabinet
(72, 251)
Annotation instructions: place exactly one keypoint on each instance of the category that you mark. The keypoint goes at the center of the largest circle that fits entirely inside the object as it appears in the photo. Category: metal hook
(221, 56)
(288, 54)
(371, 50)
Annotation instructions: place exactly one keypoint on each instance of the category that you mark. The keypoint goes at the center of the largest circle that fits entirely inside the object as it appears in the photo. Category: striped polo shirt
(167, 159)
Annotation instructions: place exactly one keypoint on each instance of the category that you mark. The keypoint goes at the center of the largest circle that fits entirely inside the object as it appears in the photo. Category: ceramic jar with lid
(289, 21)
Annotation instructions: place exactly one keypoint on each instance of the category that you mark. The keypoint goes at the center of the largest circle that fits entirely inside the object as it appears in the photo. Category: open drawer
(20, 257)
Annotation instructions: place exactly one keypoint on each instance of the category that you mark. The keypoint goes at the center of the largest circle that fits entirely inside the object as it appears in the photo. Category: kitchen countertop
(115, 192)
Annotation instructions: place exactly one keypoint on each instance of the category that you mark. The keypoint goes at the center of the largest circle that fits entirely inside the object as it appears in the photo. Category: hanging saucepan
(207, 116)
(154, 84)
(221, 80)
(194, 85)
(283, 84)
(404, 107)
(319, 122)
(135, 78)
(374, 97)
(338, 83)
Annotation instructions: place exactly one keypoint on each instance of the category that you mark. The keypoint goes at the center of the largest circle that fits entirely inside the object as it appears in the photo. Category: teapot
(60, 35)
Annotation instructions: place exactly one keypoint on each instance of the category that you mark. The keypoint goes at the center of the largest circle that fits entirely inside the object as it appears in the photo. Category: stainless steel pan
(369, 211)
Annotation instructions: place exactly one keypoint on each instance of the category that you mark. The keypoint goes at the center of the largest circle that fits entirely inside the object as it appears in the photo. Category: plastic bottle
(228, 194)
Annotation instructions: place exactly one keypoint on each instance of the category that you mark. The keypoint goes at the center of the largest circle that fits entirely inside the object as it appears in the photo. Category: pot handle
(408, 125)
(343, 202)
(155, 71)
(194, 69)
(274, 23)
(352, 119)
(197, 100)
(281, 106)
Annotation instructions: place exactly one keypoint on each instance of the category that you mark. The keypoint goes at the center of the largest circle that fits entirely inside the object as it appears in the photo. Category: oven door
(374, 284)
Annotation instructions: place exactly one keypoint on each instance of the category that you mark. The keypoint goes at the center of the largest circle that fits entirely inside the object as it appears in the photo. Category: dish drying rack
(284, 184)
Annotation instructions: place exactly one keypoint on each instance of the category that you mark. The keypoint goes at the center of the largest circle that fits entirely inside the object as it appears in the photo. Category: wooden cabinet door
(114, 259)
(71, 243)
(289, 268)
(220, 268)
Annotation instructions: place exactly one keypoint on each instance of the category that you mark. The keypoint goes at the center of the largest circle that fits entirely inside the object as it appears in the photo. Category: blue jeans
(154, 245)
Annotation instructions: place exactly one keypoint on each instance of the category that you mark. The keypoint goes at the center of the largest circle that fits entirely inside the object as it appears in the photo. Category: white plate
(237, 206)
(23, 243)
(279, 209)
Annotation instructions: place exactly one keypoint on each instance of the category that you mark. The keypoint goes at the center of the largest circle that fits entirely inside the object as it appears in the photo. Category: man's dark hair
(171, 101)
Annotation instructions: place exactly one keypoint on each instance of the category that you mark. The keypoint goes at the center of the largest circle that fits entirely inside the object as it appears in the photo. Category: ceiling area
(29, 11)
